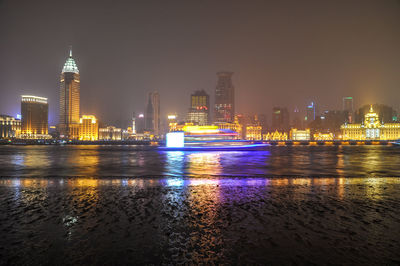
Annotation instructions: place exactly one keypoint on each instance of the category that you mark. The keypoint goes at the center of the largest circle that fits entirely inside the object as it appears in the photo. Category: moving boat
(195, 138)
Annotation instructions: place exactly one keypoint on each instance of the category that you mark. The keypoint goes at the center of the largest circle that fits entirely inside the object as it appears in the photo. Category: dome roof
(70, 65)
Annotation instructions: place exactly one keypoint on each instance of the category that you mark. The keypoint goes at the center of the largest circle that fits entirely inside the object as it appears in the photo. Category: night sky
(282, 52)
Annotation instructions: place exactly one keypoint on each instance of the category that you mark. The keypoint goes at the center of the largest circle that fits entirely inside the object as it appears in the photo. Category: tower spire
(70, 51)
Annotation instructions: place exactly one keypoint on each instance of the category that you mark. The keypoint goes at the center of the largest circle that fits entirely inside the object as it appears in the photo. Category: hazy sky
(282, 52)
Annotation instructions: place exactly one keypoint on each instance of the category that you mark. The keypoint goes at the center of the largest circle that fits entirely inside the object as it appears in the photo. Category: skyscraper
(311, 112)
(224, 98)
(149, 115)
(155, 99)
(34, 122)
(152, 115)
(69, 99)
(199, 111)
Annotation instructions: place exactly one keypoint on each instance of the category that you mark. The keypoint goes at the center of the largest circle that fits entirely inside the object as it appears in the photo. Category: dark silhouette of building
(280, 119)
(348, 107)
(149, 115)
(224, 110)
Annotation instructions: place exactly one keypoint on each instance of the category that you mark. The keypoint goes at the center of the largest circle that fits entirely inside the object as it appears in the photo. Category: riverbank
(71, 221)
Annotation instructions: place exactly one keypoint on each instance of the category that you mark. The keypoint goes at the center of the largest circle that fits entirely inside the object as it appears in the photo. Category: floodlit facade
(253, 132)
(323, 136)
(371, 129)
(276, 135)
(110, 133)
(296, 134)
(88, 128)
(69, 99)
(224, 108)
(10, 127)
(236, 127)
(34, 117)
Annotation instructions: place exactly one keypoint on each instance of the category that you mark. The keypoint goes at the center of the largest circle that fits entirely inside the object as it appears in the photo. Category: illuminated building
(280, 119)
(199, 111)
(253, 132)
(235, 126)
(34, 121)
(110, 133)
(9, 127)
(224, 109)
(69, 99)
(311, 113)
(133, 124)
(348, 108)
(296, 134)
(172, 123)
(323, 136)
(386, 113)
(88, 128)
(371, 129)
(276, 135)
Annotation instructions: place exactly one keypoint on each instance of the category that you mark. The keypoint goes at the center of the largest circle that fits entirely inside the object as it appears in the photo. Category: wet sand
(70, 221)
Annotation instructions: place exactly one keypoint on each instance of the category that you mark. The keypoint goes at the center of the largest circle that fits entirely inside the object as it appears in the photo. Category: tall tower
(149, 115)
(224, 98)
(155, 99)
(69, 99)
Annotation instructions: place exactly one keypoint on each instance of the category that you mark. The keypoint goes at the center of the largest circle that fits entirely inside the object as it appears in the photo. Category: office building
(88, 128)
(280, 119)
(199, 111)
(224, 109)
(34, 117)
(348, 108)
(69, 100)
(10, 127)
(140, 124)
(311, 113)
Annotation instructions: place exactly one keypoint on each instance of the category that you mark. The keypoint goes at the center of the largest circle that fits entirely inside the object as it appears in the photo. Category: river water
(120, 205)
(141, 161)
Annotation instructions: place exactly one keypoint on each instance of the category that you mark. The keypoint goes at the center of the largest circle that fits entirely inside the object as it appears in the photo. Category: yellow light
(200, 129)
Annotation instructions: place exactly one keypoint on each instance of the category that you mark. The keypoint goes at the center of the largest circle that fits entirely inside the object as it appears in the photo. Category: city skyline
(273, 73)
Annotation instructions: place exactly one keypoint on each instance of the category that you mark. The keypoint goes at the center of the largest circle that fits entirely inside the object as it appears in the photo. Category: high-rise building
(152, 115)
(348, 108)
(10, 127)
(88, 128)
(133, 124)
(69, 99)
(34, 121)
(149, 115)
(155, 98)
(311, 112)
(199, 111)
(224, 110)
(280, 119)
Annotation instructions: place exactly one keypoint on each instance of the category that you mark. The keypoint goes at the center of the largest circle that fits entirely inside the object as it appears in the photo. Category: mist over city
(200, 132)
